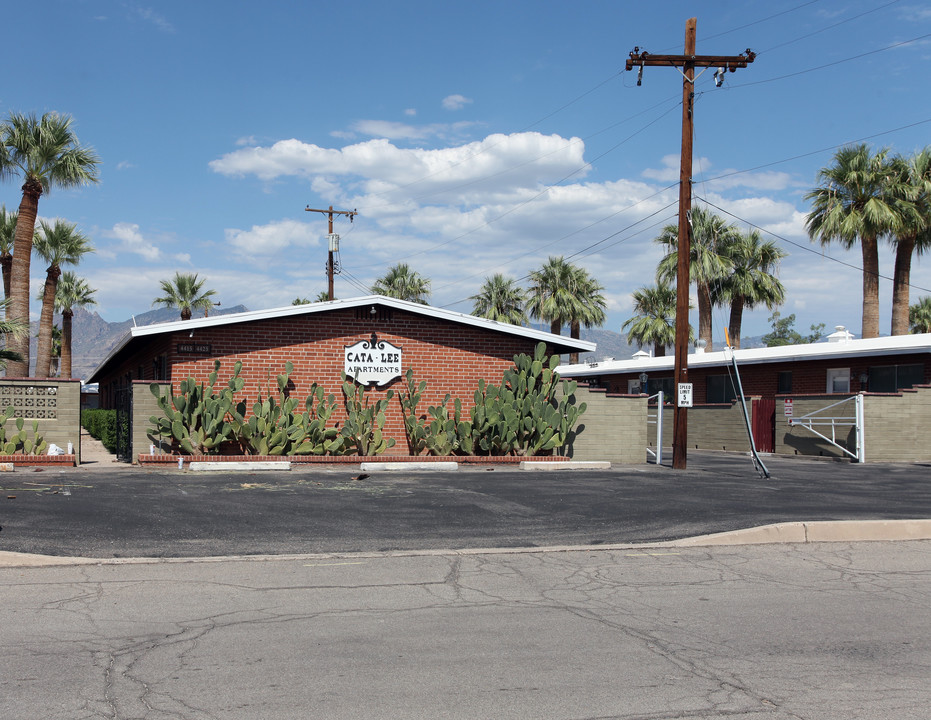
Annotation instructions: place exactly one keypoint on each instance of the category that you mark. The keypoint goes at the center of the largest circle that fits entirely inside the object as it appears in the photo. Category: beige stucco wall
(55, 404)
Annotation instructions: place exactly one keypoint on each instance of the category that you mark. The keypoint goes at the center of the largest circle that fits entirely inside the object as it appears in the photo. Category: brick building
(887, 370)
(380, 336)
(841, 365)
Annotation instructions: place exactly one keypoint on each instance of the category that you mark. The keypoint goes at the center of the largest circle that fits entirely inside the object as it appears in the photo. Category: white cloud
(150, 16)
(124, 165)
(271, 239)
(455, 102)
(410, 112)
(133, 241)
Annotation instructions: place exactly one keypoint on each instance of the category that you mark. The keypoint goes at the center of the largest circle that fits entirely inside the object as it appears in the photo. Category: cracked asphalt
(146, 513)
(832, 631)
(779, 632)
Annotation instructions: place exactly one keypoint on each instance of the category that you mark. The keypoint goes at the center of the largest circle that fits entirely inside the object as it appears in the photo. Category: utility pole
(686, 65)
(333, 241)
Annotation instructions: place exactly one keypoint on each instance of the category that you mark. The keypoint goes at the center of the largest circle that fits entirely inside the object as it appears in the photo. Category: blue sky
(472, 138)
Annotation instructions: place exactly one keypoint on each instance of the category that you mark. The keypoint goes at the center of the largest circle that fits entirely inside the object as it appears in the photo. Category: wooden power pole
(686, 64)
(332, 241)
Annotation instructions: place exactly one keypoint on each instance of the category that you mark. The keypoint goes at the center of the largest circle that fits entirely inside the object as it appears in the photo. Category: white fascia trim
(872, 347)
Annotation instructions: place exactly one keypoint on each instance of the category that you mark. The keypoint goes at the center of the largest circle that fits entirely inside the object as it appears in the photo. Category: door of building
(763, 421)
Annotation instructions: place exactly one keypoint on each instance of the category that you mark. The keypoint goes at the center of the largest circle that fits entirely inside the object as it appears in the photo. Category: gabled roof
(872, 347)
(559, 343)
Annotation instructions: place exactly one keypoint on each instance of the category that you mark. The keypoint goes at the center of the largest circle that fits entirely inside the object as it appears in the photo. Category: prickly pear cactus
(362, 431)
(195, 421)
(19, 443)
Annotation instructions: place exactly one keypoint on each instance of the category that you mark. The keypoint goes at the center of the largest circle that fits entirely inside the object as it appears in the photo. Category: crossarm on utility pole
(330, 212)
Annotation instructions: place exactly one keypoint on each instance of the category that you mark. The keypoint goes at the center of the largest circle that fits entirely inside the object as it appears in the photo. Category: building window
(838, 381)
(891, 378)
(720, 389)
(784, 382)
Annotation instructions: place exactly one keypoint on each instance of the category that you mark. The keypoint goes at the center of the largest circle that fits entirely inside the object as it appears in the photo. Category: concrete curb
(201, 466)
(570, 465)
(408, 466)
(788, 533)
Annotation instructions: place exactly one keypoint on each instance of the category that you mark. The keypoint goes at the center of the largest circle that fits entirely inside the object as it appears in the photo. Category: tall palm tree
(707, 265)
(551, 292)
(855, 200)
(402, 283)
(655, 319)
(46, 153)
(8, 329)
(589, 311)
(58, 244)
(73, 292)
(919, 316)
(184, 292)
(7, 238)
(500, 298)
(914, 232)
(564, 294)
(752, 279)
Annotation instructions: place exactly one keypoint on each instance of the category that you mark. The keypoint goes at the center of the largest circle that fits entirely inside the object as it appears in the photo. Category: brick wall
(55, 404)
(451, 358)
(808, 377)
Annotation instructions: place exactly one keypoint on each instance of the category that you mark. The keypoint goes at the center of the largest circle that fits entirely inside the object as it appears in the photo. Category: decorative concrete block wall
(55, 404)
(897, 426)
(144, 406)
(613, 427)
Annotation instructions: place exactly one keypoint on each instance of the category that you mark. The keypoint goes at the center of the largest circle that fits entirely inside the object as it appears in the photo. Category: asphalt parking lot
(146, 513)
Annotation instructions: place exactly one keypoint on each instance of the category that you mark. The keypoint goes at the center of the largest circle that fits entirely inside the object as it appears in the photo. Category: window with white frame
(838, 381)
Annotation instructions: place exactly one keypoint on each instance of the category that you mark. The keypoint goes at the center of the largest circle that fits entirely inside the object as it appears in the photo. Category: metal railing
(815, 419)
(656, 419)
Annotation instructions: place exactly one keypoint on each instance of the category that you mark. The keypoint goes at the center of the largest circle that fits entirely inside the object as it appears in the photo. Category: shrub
(101, 425)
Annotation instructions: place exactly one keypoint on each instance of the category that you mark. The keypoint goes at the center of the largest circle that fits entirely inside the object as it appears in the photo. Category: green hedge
(101, 425)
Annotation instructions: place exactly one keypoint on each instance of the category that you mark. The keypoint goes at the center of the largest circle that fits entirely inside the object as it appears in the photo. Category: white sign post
(372, 362)
(685, 395)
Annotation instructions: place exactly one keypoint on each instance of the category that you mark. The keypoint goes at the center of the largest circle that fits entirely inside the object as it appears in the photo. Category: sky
(471, 138)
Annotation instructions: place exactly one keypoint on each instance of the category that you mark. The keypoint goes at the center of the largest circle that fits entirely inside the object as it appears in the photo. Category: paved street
(137, 512)
(814, 632)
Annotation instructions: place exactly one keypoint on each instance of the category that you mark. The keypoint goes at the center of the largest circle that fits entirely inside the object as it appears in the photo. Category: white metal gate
(834, 421)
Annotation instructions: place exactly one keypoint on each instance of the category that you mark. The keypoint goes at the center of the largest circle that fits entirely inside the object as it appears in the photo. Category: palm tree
(402, 283)
(7, 238)
(564, 294)
(919, 316)
(58, 244)
(707, 265)
(752, 280)
(655, 321)
(856, 200)
(589, 311)
(500, 299)
(914, 232)
(8, 329)
(184, 293)
(73, 292)
(551, 292)
(46, 152)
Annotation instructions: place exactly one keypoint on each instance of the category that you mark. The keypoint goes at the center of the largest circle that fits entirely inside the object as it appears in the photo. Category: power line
(807, 248)
(832, 64)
